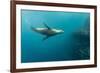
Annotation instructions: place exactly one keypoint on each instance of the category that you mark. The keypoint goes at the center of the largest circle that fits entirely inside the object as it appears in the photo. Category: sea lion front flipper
(47, 26)
(45, 37)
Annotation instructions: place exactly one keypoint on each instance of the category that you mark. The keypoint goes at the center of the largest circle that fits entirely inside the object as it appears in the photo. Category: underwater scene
(48, 36)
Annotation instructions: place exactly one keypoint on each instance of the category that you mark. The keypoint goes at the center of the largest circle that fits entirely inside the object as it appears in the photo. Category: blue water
(62, 47)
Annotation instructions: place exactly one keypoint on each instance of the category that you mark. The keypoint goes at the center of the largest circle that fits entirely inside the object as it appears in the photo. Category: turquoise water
(73, 44)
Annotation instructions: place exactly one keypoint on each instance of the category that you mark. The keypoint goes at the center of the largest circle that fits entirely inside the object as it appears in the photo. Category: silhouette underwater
(47, 31)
